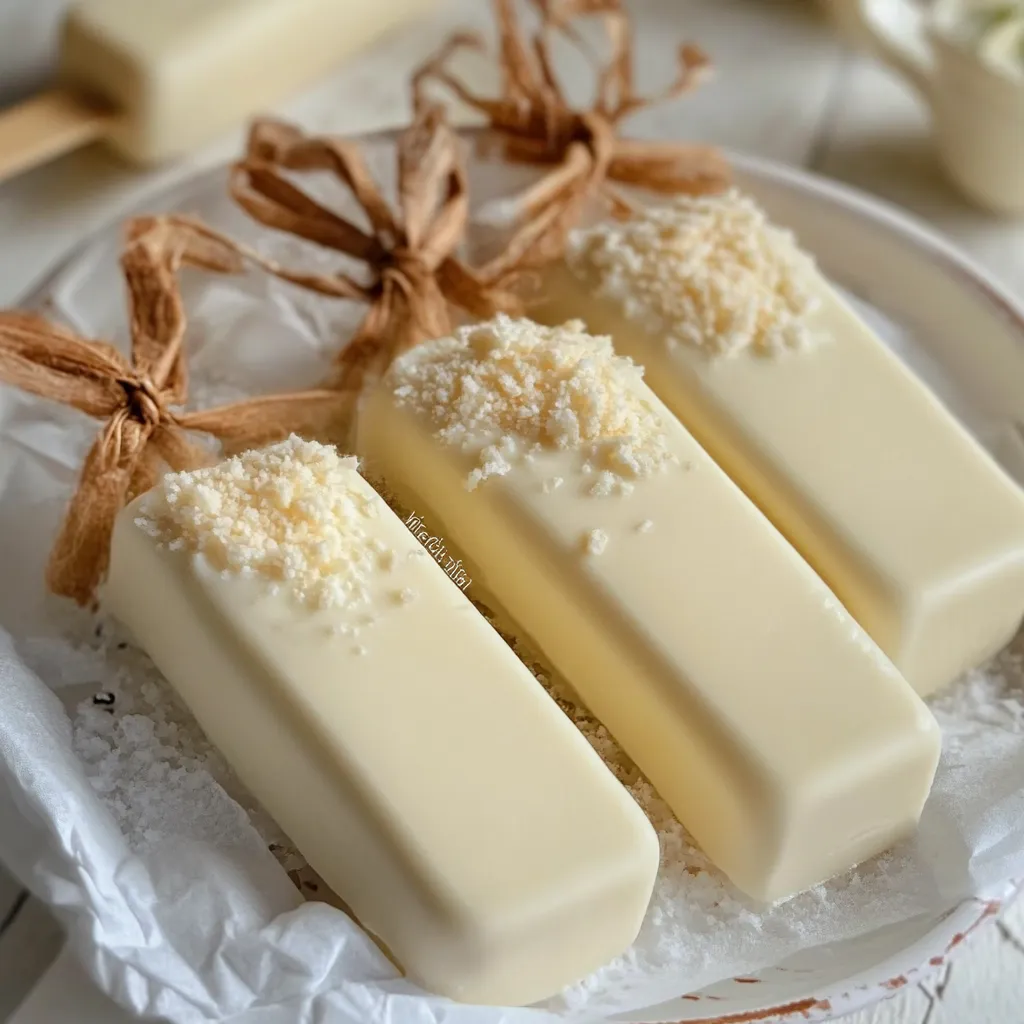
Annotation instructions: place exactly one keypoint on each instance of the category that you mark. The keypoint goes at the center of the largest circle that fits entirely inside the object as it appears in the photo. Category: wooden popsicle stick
(55, 122)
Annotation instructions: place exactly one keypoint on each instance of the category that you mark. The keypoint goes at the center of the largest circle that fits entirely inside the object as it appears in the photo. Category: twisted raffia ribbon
(139, 398)
(412, 276)
(537, 124)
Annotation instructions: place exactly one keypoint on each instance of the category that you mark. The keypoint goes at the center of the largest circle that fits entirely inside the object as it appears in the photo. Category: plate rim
(898, 223)
(872, 985)
(895, 220)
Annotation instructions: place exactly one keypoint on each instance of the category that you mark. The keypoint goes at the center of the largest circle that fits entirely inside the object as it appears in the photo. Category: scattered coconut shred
(287, 513)
(705, 271)
(146, 757)
(511, 388)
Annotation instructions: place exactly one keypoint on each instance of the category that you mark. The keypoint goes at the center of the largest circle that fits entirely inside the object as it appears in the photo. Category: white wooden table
(787, 89)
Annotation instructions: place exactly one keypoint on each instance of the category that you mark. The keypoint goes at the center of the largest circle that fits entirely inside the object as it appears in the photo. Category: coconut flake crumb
(609, 483)
(287, 514)
(510, 388)
(710, 272)
(645, 526)
(595, 542)
(552, 484)
(144, 755)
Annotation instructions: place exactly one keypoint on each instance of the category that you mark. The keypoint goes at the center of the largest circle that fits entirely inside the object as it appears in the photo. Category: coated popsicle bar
(779, 734)
(907, 518)
(179, 72)
(411, 757)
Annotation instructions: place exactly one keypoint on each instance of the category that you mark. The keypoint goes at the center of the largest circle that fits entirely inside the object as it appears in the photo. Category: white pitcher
(977, 107)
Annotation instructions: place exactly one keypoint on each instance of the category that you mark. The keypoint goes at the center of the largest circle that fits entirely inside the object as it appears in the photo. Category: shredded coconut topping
(510, 389)
(595, 542)
(287, 514)
(705, 271)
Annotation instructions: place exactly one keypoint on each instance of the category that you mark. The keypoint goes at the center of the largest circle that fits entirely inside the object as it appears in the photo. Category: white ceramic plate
(947, 318)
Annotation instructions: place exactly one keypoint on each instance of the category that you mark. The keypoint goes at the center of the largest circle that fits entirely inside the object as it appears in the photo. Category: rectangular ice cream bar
(774, 727)
(179, 72)
(908, 520)
(394, 736)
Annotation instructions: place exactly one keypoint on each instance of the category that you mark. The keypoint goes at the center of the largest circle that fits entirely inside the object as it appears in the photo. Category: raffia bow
(537, 124)
(138, 398)
(412, 275)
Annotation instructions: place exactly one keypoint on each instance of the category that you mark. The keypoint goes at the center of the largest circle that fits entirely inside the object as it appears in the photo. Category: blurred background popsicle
(158, 79)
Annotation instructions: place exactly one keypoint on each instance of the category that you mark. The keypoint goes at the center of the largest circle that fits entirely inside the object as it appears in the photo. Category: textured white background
(786, 89)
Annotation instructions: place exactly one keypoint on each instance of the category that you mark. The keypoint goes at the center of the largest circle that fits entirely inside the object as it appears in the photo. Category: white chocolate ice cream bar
(777, 731)
(908, 520)
(394, 736)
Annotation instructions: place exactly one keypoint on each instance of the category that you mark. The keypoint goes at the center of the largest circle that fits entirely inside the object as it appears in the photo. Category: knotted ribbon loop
(144, 402)
(137, 397)
(411, 273)
(536, 123)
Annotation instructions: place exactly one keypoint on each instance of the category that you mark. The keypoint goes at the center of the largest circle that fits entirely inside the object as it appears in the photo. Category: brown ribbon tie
(537, 124)
(413, 274)
(139, 398)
